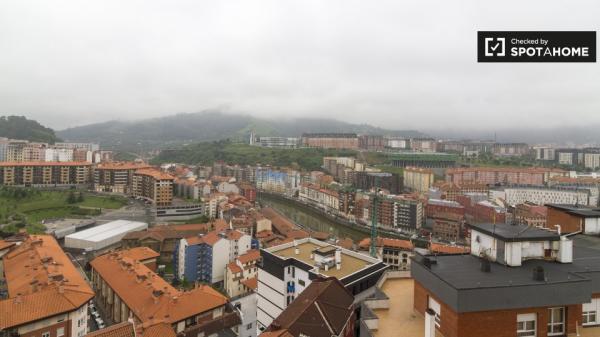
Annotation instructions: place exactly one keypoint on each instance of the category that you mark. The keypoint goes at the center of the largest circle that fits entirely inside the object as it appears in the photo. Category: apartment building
(153, 185)
(449, 191)
(545, 153)
(127, 289)
(241, 282)
(324, 309)
(164, 239)
(92, 147)
(503, 175)
(402, 212)
(517, 281)
(366, 181)
(423, 144)
(530, 214)
(573, 218)
(418, 179)
(543, 195)
(45, 173)
(204, 257)
(278, 142)
(288, 269)
(277, 181)
(510, 149)
(116, 177)
(395, 253)
(371, 142)
(331, 140)
(47, 295)
(320, 197)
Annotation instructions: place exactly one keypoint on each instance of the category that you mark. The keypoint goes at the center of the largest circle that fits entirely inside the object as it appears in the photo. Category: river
(312, 220)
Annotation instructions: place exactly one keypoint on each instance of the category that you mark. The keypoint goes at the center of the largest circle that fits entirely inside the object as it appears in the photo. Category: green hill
(19, 127)
(167, 132)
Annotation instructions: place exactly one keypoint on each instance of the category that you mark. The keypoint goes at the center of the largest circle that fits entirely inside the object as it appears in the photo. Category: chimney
(296, 249)
(485, 265)
(326, 267)
(34, 285)
(429, 323)
(338, 258)
(539, 274)
(18, 299)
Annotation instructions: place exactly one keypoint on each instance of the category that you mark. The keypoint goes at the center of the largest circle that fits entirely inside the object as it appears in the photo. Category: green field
(27, 208)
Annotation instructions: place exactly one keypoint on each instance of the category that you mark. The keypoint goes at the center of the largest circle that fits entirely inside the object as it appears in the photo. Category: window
(590, 312)
(589, 318)
(435, 306)
(249, 326)
(556, 321)
(526, 325)
(301, 282)
(60, 332)
(46, 334)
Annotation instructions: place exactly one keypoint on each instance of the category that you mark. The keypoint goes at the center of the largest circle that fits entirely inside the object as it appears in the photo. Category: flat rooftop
(350, 263)
(110, 229)
(508, 232)
(401, 315)
(581, 210)
(459, 281)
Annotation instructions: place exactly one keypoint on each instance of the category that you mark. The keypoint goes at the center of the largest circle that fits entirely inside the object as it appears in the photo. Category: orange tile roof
(140, 253)
(446, 249)
(234, 267)
(44, 163)
(251, 283)
(251, 255)
(6, 244)
(122, 166)
(387, 242)
(158, 330)
(277, 333)
(148, 295)
(42, 282)
(124, 329)
(154, 173)
(234, 235)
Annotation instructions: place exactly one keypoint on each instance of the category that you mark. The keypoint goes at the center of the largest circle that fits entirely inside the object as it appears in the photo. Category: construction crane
(374, 204)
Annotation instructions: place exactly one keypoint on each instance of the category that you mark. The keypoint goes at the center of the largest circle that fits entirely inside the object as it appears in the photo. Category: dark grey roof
(458, 281)
(510, 232)
(580, 210)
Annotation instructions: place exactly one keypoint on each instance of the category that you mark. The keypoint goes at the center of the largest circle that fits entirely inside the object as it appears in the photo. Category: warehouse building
(104, 235)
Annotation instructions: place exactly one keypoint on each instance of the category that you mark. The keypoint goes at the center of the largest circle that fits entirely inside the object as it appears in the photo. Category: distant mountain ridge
(19, 127)
(210, 126)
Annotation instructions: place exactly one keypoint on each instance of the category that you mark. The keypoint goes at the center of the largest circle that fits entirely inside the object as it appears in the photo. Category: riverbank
(316, 219)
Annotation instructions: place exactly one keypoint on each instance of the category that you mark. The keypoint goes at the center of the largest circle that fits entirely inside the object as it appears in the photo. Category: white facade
(592, 226)
(226, 187)
(247, 307)
(541, 196)
(513, 253)
(77, 317)
(220, 255)
(273, 296)
(103, 235)
(591, 160)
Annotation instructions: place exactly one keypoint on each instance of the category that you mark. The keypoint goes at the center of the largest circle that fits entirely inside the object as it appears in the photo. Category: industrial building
(104, 235)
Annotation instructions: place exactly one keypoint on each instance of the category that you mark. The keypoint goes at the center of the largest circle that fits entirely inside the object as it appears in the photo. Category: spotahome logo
(530, 46)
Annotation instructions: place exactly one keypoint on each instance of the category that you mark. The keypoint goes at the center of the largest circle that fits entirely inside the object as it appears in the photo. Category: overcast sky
(396, 64)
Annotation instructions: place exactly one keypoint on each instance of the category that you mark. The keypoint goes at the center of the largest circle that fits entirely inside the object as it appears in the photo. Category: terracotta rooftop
(251, 283)
(322, 309)
(6, 244)
(154, 173)
(42, 282)
(149, 296)
(234, 268)
(44, 163)
(386, 242)
(251, 255)
(140, 253)
(122, 166)
(124, 329)
(447, 249)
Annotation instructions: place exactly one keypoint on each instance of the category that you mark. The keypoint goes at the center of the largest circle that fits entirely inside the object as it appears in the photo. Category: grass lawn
(30, 209)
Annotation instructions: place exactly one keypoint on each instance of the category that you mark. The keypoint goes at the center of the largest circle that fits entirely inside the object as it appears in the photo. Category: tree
(71, 199)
